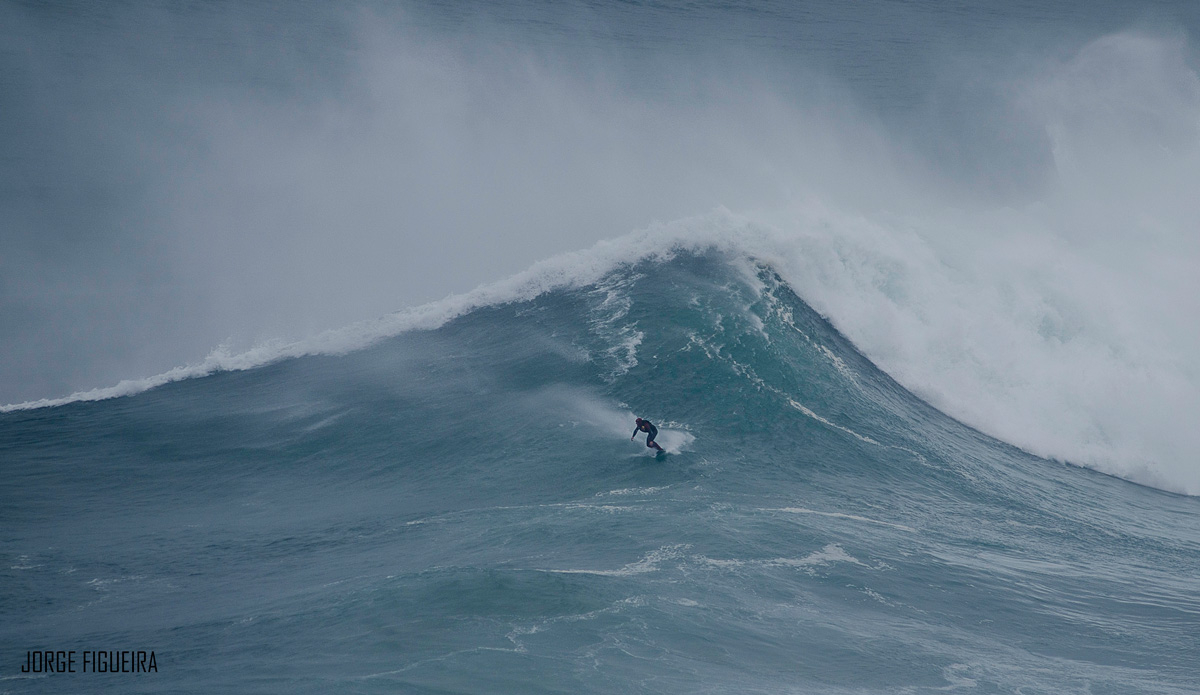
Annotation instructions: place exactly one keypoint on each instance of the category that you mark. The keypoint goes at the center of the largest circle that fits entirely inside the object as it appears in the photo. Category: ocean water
(461, 510)
(909, 290)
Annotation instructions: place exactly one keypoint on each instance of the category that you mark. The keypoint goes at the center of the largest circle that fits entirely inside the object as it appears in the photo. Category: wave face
(459, 509)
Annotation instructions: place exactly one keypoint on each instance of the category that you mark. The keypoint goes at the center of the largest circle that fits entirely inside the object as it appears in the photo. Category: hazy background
(178, 176)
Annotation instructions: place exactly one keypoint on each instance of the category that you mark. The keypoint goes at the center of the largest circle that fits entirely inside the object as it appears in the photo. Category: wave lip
(564, 271)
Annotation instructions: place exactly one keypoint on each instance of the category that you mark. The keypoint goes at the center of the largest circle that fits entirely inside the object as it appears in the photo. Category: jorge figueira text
(89, 661)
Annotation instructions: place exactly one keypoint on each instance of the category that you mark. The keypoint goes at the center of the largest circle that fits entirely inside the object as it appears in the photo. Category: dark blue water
(460, 510)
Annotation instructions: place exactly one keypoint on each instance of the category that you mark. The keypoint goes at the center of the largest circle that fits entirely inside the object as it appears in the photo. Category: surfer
(651, 432)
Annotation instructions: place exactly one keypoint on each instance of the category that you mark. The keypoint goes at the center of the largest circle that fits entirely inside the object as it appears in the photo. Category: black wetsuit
(651, 432)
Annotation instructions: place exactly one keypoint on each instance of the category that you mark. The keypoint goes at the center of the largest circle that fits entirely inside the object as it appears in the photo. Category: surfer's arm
(635, 431)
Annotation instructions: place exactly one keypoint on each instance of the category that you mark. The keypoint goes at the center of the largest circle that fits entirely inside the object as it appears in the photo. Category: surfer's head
(639, 420)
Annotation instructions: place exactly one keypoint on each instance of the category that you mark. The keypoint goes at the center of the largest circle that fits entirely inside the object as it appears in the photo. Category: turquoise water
(460, 510)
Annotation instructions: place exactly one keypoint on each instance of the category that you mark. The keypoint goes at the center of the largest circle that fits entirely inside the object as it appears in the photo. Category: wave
(996, 340)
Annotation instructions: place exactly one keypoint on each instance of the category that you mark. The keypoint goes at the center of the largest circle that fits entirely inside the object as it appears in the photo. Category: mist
(182, 180)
